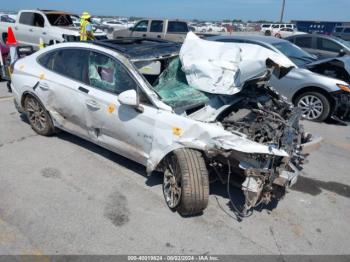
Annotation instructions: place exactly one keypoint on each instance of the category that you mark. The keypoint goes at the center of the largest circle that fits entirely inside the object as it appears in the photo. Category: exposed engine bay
(267, 118)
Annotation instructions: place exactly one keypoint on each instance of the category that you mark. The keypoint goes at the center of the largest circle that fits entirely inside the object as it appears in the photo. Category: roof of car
(255, 38)
(141, 48)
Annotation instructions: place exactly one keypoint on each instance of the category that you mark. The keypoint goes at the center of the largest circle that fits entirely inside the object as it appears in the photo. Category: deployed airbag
(223, 68)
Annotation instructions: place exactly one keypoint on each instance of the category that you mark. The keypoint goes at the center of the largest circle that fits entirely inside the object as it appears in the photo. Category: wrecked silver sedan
(132, 97)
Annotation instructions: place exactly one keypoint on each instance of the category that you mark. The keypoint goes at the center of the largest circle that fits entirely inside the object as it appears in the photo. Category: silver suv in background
(172, 30)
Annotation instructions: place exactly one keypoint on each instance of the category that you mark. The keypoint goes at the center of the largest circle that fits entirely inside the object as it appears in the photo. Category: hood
(337, 67)
(223, 68)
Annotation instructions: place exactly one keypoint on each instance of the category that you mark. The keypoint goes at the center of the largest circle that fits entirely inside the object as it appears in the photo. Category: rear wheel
(38, 117)
(186, 182)
(314, 106)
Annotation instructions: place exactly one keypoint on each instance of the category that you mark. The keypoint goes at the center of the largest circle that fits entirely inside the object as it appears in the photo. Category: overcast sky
(334, 10)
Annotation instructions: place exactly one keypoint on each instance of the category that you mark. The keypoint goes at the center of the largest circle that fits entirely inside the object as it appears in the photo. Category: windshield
(346, 43)
(294, 53)
(59, 19)
(174, 90)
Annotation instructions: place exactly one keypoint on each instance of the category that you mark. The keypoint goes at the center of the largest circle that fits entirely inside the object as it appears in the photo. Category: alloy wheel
(36, 114)
(311, 107)
(172, 183)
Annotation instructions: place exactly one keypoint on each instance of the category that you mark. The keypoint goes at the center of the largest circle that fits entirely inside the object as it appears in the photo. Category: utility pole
(282, 10)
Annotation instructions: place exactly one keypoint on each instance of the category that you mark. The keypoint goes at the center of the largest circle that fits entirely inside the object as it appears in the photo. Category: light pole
(282, 10)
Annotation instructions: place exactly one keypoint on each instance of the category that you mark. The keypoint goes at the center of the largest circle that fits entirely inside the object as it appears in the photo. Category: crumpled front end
(267, 119)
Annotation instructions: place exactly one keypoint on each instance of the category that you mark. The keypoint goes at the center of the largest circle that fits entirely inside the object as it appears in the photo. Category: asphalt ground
(63, 195)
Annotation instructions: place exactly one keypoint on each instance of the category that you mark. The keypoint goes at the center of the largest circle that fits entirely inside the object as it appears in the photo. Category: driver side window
(108, 74)
(141, 26)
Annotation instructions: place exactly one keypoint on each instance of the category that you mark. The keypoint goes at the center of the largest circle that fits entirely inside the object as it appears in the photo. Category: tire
(320, 103)
(186, 170)
(8, 84)
(38, 117)
(268, 33)
(278, 35)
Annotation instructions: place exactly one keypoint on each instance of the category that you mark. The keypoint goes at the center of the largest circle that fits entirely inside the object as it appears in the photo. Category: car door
(156, 29)
(326, 48)
(305, 42)
(37, 30)
(121, 128)
(176, 31)
(141, 29)
(61, 88)
(23, 26)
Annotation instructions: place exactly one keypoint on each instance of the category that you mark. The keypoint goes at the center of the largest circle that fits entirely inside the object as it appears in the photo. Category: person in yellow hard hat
(86, 31)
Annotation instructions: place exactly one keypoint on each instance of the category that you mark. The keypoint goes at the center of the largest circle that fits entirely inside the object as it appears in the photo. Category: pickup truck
(51, 26)
(172, 30)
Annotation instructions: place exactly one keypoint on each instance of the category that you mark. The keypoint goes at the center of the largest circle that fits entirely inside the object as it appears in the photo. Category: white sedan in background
(285, 32)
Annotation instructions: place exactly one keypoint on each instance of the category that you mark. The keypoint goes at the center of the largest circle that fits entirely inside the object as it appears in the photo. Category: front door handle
(92, 104)
(30, 30)
(144, 35)
(159, 36)
(44, 33)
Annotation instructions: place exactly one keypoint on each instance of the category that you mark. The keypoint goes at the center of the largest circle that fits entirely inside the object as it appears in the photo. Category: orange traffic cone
(11, 39)
(12, 42)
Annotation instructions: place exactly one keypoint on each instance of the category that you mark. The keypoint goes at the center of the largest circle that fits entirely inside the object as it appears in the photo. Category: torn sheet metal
(336, 67)
(223, 68)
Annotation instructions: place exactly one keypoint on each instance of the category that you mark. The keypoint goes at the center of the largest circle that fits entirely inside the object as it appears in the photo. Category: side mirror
(129, 97)
(341, 53)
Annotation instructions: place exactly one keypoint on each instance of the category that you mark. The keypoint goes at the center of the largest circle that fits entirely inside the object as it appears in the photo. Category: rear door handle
(159, 36)
(144, 35)
(92, 104)
(30, 30)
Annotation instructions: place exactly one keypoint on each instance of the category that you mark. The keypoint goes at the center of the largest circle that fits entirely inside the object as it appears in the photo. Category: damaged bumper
(341, 104)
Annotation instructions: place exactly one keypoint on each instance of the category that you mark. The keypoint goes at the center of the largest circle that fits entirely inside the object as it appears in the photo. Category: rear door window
(26, 18)
(347, 30)
(177, 27)
(72, 63)
(141, 26)
(303, 41)
(38, 20)
(156, 26)
(46, 60)
(328, 45)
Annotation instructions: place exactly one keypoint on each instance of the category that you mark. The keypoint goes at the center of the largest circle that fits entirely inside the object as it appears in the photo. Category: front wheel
(314, 106)
(186, 182)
